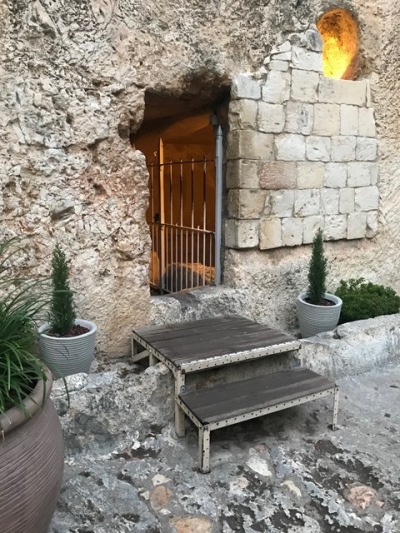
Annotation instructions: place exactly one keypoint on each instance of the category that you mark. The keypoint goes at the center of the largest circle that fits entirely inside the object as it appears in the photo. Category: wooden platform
(192, 346)
(232, 403)
(203, 344)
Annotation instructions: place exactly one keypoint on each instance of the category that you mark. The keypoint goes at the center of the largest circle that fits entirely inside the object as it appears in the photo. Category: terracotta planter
(32, 463)
(315, 319)
(68, 355)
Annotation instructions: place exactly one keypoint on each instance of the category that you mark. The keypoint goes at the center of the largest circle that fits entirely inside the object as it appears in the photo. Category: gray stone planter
(314, 319)
(68, 355)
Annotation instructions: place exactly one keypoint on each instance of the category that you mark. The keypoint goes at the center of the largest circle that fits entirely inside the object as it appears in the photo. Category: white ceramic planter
(315, 319)
(68, 355)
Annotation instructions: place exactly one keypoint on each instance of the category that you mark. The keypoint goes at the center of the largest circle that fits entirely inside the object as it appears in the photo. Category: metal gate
(184, 218)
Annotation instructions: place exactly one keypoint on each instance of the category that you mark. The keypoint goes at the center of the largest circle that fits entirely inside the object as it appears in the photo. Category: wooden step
(201, 344)
(232, 403)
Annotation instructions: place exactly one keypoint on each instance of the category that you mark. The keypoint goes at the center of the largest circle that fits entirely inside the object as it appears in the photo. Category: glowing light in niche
(339, 33)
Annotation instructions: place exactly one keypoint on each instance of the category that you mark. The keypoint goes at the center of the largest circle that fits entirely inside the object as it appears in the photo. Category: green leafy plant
(62, 314)
(317, 271)
(363, 300)
(21, 303)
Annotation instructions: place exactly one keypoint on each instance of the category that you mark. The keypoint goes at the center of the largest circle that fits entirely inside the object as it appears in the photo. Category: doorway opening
(340, 35)
(183, 149)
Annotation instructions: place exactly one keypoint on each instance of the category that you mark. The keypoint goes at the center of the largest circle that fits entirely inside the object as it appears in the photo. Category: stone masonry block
(278, 175)
(335, 227)
(246, 203)
(366, 198)
(335, 175)
(343, 91)
(241, 233)
(244, 87)
(282, 203)
(312, 40)
(326, 119)
(270, 233)
(372, 224)
(299, 118)
(303, 59)
(249, 145)
(290, 147)
(277, 64)
(310, 175)
(356, 225)
(366, 122)
(277, 87)
(305, 85)
(362, 174)
(346, 201)
(329, 201)
(292, 231)
(349, 119)
(366, 149)
(280, 49)
(307, 202)
(283, 56)
(318, 148)
(242, 114)
(310, 228)
(343, 148)
(270, 117)
(242, 174)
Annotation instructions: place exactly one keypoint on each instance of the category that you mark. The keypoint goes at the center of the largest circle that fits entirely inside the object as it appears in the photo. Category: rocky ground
(126, 471)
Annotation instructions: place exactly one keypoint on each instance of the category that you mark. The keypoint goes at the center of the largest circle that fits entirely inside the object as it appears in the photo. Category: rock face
(126, 471)
(73, 80)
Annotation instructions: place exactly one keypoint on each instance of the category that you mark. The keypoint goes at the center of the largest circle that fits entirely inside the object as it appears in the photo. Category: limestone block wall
(302, 153)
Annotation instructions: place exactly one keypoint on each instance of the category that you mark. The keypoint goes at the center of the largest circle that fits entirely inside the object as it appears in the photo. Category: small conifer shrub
(62, 314)
(317, 271)
(362, 300)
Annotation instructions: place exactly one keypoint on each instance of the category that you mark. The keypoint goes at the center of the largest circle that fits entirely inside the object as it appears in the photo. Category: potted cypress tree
(317, 310)
(31, 443)
(66, 343)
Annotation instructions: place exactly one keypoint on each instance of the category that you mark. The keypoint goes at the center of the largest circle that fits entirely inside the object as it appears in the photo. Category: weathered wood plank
(183, 329)
(213, 344)
(234, 399)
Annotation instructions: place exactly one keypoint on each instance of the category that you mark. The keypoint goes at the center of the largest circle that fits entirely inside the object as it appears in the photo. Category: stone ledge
(353, 348)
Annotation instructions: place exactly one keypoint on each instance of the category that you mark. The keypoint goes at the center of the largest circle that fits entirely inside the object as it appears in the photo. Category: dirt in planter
(75, 331)
(324, 302)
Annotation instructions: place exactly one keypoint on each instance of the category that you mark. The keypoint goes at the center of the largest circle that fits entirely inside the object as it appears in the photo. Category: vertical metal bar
(166, 255)
(133, 347)
(218, 202)
(187, 260)
(192, 225)
(335, 408)
(176, 258)
(179, 414)
(211, 256)
(181, 220)
(162, 212)
(204, 449)
(198, 258)
(204, 218)
(171, 233)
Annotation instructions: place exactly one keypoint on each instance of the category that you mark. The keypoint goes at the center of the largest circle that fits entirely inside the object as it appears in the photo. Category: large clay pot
(68, 355)
(31, 463)
(315, 319)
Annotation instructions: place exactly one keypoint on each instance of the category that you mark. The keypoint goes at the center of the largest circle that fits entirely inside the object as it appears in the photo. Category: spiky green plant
(317, 270)
(21, 303)
(62, 314)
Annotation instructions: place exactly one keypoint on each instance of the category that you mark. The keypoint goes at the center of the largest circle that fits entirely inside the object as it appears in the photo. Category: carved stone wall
(302, 153)
(72, 81)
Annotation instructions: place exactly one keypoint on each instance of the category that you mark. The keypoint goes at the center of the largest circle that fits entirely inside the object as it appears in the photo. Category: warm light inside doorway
(339, 32)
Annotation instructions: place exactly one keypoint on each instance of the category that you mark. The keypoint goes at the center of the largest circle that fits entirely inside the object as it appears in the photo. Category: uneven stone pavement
(126, 471)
